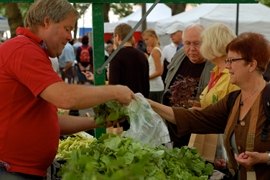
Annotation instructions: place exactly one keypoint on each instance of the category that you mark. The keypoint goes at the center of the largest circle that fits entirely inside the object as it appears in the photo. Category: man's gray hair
(56, 10)
(199, 27)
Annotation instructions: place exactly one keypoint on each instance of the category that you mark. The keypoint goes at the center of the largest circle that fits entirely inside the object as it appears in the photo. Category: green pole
(98, 50)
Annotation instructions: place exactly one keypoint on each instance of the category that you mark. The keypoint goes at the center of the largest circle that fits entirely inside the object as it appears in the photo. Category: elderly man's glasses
(195, 44)
(230, 60)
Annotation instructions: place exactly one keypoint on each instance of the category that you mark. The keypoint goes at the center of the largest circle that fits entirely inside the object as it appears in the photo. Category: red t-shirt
(29, 127)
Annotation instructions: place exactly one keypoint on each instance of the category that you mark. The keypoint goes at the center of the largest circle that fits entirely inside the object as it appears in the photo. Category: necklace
(241, 103)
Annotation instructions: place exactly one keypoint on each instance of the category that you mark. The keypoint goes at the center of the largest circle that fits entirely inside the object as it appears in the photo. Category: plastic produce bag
(146, 125)
(221, 159)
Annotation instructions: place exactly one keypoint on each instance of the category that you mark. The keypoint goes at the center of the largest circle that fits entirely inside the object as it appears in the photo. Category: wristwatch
(268, 162)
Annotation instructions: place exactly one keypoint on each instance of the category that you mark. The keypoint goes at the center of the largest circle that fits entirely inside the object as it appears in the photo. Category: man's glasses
(230, 60)
(195, 44)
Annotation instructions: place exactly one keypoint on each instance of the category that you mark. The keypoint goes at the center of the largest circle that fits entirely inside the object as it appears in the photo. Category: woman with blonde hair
(215, 38)
(155, 61)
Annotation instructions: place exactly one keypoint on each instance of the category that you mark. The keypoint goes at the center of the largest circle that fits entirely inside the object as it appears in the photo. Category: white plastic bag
(145, 124)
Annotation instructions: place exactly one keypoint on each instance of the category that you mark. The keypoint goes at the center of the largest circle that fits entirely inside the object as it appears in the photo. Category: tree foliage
(22, 6)
(121, 9)
(265, 2)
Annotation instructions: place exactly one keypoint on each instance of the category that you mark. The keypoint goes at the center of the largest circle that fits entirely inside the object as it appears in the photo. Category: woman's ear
(253, 65)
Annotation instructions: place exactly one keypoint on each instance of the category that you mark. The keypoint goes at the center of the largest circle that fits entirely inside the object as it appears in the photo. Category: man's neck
(178, 44)
(126, 44)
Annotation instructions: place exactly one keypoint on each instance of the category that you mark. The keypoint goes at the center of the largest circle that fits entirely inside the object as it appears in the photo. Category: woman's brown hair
(252, 46)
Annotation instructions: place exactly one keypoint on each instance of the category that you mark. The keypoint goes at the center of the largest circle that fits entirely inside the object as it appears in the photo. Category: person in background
(140, 45)
(155, 61)
(84, 60)
(55, 64)
(215, 38)
(187, 62)
(129, 66)
(77, 43)
(243, 123)
(31, 92)
(175, 32)
(66, 63)
(109, 49)
(148, 51)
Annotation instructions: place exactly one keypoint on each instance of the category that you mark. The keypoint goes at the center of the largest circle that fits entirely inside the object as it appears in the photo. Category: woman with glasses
(242, 124)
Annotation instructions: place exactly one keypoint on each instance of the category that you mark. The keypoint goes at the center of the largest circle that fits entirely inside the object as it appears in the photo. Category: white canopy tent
(160, 11)
(4, 24)
(252, 17)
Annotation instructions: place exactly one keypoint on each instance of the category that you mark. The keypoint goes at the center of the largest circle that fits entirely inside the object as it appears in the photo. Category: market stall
(138, 152)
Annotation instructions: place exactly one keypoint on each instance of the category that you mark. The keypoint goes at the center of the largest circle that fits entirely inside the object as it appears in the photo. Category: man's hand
(123, 94)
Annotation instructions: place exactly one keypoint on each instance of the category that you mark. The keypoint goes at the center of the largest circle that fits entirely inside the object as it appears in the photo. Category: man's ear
(116, 36)
(46, 22)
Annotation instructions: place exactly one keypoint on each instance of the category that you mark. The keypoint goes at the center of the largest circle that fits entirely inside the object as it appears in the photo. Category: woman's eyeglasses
(230, 60)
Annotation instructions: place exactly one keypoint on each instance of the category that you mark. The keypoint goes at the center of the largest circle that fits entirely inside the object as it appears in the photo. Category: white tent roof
(252, 17)
(160, 11)
(3, 24)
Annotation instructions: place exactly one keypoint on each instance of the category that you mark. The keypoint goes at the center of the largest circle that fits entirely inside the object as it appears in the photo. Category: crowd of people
(218, 61)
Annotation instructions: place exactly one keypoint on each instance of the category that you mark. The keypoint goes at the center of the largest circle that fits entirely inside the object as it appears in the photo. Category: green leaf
(112, 143)
(129, 157)
(114, 115)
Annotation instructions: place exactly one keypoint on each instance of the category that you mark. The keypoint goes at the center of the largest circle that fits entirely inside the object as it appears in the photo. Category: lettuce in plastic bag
(145, 124)
(109, 111)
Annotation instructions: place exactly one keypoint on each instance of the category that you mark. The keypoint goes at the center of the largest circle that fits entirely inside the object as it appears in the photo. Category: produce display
(74, 142)
(115, 157)
(109, 111)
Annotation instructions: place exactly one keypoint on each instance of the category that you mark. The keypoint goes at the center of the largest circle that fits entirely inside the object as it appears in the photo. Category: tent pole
(237, 19)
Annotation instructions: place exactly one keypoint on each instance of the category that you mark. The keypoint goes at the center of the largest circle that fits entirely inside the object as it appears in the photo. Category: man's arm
(159, 67)
(68, 65)
(69, 96)
(73, 124)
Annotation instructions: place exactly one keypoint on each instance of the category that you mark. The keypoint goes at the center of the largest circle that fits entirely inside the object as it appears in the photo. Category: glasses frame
(230, 60)
(196, 44)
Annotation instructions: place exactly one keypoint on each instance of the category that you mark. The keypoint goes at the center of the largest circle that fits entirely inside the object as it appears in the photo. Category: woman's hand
(89, 75)
(196, 105)
(248, 159)
(165, 112)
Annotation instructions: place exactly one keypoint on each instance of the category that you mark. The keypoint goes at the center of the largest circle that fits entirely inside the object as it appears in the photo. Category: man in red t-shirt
(31, 90)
